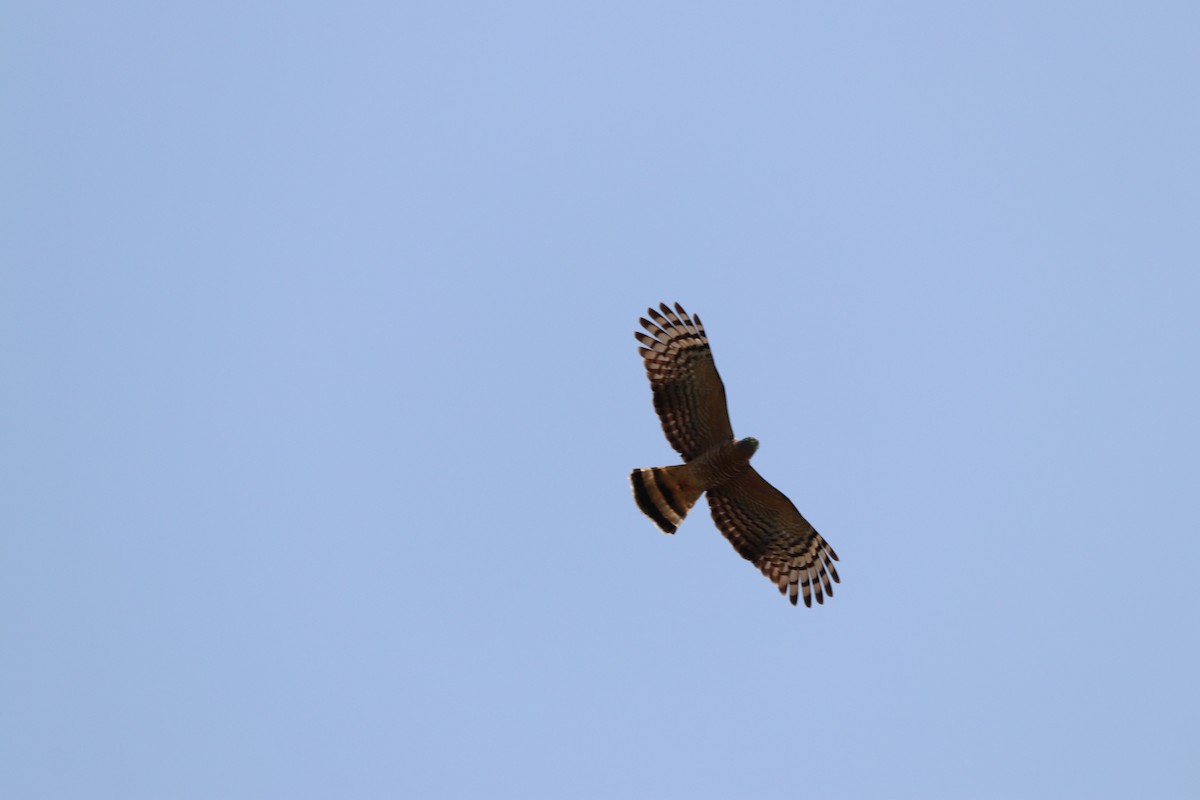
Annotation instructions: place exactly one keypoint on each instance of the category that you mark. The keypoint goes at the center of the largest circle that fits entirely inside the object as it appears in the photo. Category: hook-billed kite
(758, 519)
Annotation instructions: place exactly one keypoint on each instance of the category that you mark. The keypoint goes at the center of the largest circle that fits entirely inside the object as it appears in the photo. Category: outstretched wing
(688, 393)
(765, 528)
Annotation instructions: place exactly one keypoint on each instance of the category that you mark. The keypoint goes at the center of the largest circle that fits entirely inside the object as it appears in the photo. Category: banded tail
(665, 494)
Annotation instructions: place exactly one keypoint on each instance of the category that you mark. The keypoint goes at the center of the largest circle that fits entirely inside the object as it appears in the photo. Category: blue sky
(322, 397)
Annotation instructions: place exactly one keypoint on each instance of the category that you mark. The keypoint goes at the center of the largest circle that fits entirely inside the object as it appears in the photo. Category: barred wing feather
(688, 393)
(765, 527)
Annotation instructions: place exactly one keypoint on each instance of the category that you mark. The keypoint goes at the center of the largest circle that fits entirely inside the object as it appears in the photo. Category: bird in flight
(758, 520)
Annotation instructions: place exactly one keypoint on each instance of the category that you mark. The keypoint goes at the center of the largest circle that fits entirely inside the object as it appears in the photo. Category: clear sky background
(321, 397)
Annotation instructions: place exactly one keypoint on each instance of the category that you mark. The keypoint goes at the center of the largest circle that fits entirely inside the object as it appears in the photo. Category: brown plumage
(758, 519)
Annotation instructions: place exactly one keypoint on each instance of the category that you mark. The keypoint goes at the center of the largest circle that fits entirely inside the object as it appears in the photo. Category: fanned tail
(665, 494)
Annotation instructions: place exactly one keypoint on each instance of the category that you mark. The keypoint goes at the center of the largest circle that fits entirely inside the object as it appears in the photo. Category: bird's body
(758, 519)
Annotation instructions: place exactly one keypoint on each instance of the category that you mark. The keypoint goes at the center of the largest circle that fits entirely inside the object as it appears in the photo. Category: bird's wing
(766, 529)
(688, 393)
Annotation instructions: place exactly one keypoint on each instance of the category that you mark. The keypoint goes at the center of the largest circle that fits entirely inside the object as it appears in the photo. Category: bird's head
(748, 445)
